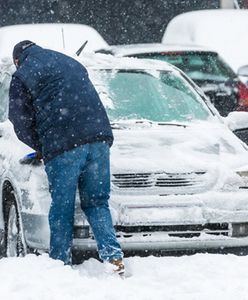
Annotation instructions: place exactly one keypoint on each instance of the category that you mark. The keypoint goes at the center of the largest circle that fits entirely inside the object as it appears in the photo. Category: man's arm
(22, 114)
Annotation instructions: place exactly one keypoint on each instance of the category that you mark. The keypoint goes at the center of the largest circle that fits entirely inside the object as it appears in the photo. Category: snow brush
(31, 159)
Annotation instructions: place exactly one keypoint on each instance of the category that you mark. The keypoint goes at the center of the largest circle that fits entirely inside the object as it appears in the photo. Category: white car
(67, 38)
(222, 30)
(179, 175)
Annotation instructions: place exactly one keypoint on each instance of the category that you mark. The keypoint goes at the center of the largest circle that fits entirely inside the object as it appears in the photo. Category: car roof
(105, 61)
(205, 15)
(63, 37)
(134, 49)
(223, 30)
(197, 27)
(100, 61)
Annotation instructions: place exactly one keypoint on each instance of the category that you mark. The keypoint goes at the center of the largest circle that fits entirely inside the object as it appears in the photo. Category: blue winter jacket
(53, 105)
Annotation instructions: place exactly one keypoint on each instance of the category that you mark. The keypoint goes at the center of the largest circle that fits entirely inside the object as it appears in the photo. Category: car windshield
(197, 65)
(156, 96)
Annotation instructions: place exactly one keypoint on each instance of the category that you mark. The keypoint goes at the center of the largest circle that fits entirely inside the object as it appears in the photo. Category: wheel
(15, 245)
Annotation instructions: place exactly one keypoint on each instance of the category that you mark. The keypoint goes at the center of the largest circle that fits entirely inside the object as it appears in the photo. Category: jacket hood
(32, 49)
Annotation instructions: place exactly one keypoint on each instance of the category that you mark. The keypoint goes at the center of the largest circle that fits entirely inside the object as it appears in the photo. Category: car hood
(174, 148)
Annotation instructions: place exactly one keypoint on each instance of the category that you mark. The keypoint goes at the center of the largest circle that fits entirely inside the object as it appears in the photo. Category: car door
(5, 78)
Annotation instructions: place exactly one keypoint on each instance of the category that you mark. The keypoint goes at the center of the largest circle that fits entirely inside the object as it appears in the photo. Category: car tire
(15, 245)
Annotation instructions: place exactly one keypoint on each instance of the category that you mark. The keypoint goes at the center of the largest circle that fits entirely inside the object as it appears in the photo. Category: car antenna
(63, 37)
(81, 48)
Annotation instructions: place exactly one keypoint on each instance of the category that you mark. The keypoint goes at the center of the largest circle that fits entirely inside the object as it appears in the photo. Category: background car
(222, 30)
(179, 175)
(63, 37)
(206, 68)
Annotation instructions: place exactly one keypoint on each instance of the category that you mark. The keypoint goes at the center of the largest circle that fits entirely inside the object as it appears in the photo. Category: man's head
(18, 50)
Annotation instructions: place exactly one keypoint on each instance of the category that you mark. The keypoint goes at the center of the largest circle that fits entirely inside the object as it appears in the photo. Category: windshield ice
(156, 96)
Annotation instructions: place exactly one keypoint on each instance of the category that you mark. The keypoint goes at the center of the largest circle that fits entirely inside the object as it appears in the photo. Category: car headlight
(244, 178)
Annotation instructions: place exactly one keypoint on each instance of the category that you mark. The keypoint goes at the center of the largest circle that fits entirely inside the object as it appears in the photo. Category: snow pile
(66, 38)
(224, 31)
(200, 277)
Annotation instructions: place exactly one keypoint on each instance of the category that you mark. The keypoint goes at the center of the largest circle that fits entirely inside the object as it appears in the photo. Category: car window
(198, 66)
(160, 97)
(4, 96)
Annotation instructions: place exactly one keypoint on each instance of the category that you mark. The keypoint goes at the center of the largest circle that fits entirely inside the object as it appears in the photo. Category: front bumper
(162, 242)
(173, 238)
(154, 212)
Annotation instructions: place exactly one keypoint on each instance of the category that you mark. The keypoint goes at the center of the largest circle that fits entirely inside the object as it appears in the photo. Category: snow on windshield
(150, 94)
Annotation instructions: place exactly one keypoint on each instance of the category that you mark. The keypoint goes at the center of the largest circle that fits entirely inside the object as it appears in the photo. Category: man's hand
(33, 158)
(39, 155)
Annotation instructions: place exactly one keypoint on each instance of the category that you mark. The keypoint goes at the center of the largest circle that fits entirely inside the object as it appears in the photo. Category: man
(56, 110)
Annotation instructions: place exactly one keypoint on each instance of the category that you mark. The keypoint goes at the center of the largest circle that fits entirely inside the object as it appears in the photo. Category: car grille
(161, 180)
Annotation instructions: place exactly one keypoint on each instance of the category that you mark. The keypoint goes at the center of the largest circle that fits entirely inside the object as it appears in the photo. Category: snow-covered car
(64, 37)
(222, 30)
(205, 67)
(179, 175)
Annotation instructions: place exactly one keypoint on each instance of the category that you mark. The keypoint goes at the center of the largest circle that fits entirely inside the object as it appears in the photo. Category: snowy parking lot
(178, 171)
(196, 277)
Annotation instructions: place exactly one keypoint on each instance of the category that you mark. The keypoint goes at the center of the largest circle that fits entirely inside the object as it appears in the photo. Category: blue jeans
(85, 167)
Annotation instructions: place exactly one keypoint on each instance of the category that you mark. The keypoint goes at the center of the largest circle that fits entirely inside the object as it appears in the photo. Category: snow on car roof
(106, 61)
(209, 14)
(62, 37)
(100, 61)
(132, 49)
(224, 31)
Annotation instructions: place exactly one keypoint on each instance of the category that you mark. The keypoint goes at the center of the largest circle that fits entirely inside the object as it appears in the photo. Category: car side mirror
(243, 71)
(237, 120)
(243, 74)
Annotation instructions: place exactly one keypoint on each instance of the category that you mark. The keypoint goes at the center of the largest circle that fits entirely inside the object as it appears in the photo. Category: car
(64, 37)
(222, 30)
(206, 68)
(179, 176)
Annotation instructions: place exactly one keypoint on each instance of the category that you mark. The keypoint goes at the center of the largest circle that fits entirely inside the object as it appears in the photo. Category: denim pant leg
(63, 173)
(94, 189)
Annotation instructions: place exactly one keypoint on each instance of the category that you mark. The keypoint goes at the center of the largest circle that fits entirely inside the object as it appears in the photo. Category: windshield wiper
(117, 126)
(172, 124)
(123, 124)
(128, 123)
(160, 123)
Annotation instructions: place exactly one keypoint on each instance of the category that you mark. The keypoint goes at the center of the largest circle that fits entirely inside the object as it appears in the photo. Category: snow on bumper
(169, 223)
(204, 208)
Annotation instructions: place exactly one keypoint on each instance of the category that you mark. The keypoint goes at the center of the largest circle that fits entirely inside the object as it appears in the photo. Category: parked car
(63, 37)
(179, 175)
(206, 68)
(223, 30)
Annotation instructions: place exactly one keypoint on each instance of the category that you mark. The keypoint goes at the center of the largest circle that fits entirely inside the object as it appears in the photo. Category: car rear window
(198, 66)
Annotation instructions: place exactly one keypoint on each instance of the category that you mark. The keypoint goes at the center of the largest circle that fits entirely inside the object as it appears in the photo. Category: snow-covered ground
(197, 277)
